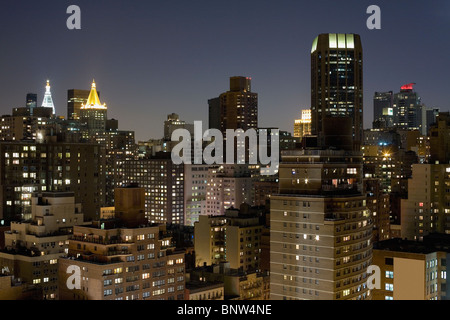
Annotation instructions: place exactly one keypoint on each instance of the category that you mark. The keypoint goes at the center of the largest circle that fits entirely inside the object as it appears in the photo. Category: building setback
(123, 258)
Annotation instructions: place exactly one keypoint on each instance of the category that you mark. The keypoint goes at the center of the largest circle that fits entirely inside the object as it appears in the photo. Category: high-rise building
(427, 207)
(124, 257)
(227, 186)
(337, 86)
(439, 139)
(320, 227)
(302, 127)
(75, 100)
(238, 107)
(29, 167)
(48, 100)
(173, 123)
(383, 110)
(409, 112)
(195, 188)
(93, 114)
(163, 182)
(379, 207)
(32, 248)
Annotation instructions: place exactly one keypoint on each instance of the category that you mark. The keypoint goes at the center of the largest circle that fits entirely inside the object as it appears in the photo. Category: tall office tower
(302, 127)
(320, 227)
(439, 141)
(48, 100)
(31, 102)
(29, 167)
(409, 112)
(234, 237)
(163, 182)
(123, 257)
(427, 207)
(33, 247)
(93, 114)
(238, 107)
(75, 100)
(337, 84)
(195, 186)
(383, 110)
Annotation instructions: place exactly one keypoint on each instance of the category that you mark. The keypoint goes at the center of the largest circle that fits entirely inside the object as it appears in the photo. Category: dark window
(389, 261)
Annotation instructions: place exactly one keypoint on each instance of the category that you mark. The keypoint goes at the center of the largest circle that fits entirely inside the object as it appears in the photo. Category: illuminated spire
(93, 101)
(48, 101)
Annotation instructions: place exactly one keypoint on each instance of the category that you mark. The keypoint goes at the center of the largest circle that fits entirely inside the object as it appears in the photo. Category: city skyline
(152, 59)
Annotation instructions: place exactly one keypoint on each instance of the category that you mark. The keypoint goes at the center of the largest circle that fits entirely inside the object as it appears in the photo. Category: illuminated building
(302, 127)
(163, 182)
(409, 112)
(379, 206)
(320, 227)
(383, 110)
(124, 257)
(227, 186)
(75, 100)
(195, 186)
(238, 284)
(337, 84)
(234, 237)
(94, 113)
(48, 100)
(30, 167)
(32, 248)
(204, 290)
(236, 108)
(427, 207)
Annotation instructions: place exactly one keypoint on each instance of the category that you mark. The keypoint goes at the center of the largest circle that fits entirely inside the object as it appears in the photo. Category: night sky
(151, 58)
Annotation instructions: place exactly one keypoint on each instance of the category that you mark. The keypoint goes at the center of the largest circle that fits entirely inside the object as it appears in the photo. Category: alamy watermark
(374, 21)
(256, 151)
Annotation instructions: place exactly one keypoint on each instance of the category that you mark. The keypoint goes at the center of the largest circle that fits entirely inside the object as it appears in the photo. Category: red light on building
(409, 86)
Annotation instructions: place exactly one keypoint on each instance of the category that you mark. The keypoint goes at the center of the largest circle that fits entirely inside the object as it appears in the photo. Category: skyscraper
(94, 113)
(302, 127)
(320, 227)
(75, 99)
(409, 112)
(238, 107)
(48, 100)
(337, 84)
(383, 110)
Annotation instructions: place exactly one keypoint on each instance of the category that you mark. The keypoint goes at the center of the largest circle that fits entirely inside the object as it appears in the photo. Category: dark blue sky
(151, 58)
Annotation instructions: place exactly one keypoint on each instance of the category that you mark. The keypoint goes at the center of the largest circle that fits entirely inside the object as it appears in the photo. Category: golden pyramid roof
(93, 101)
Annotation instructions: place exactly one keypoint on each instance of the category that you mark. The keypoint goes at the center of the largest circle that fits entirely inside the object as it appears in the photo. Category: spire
(48, 100)
(93, 101)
